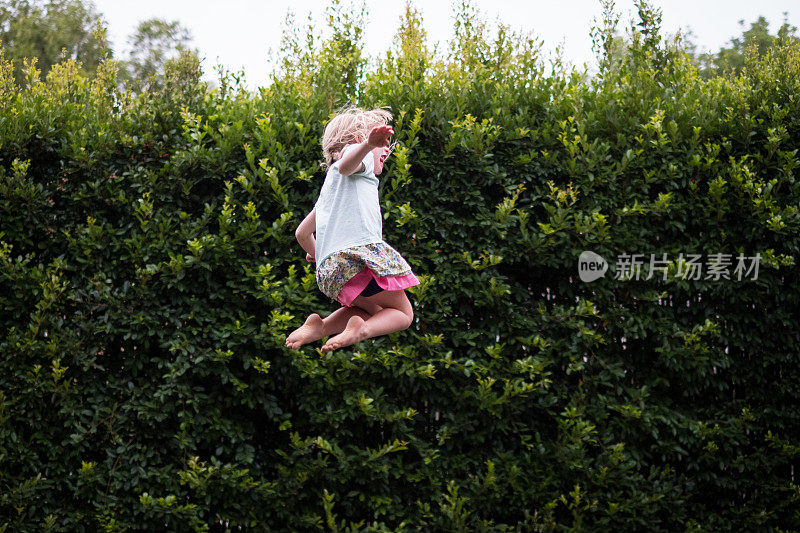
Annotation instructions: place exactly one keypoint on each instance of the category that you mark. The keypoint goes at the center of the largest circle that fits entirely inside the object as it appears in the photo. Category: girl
(354, 264)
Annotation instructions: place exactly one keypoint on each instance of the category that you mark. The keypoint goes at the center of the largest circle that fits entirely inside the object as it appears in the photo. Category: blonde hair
(351, 125)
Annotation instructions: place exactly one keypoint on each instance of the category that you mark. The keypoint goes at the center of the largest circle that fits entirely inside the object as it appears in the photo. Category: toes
(329, 347)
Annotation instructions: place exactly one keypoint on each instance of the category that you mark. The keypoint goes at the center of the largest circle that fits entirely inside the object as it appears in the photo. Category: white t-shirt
(348, 210)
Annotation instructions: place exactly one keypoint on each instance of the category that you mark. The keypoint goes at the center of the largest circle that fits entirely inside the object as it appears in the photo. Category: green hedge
(149, 275)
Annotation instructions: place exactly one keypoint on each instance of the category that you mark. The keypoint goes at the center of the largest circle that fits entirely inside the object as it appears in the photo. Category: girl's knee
(396, 300)
(405, 318)
(406, 308)
(409, 312)
(409, 318)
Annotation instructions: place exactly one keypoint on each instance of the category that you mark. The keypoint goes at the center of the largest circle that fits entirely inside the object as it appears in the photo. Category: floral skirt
(344, 274)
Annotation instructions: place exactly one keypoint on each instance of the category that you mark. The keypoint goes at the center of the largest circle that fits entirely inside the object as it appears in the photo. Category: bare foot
(351, 335)
(310, 331)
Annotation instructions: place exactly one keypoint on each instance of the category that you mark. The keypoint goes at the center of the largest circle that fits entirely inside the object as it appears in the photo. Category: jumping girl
(354, 265)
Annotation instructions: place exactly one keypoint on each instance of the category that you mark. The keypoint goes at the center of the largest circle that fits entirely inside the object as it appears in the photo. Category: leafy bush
(149, 275)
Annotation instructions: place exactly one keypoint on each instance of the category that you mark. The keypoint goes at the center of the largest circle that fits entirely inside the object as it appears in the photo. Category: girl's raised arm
(351, 161)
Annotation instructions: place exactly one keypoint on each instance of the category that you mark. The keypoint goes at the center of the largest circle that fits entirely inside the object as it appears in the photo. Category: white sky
(239, 33)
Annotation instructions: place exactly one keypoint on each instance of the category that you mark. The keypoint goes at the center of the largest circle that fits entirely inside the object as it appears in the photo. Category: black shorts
(371, 289)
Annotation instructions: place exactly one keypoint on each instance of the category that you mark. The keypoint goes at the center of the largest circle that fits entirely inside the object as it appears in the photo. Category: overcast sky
(239, 33)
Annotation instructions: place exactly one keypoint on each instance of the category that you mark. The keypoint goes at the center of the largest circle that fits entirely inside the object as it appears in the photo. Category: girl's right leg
(337, 321)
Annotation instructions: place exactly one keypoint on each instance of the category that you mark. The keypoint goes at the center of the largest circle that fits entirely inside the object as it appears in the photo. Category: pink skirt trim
(357, 283)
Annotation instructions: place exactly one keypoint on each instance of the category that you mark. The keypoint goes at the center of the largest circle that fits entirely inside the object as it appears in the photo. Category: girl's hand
(310, 258)
(379, 136)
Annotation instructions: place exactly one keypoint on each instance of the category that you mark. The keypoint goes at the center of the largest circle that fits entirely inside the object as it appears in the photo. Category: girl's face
(380, 154)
